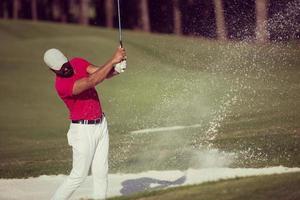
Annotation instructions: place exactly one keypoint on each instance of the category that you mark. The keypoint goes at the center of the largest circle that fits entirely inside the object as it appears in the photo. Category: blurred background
(218, 19)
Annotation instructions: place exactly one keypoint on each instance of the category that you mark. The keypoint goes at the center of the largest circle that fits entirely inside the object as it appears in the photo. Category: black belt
(85, 121)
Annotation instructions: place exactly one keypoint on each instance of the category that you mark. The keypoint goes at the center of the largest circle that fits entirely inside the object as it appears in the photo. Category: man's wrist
(112, 62)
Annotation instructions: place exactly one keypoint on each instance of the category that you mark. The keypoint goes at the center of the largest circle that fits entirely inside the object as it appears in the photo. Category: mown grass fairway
(245, 97)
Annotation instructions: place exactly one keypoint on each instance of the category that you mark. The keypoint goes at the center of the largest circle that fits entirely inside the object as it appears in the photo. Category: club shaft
(120, 24)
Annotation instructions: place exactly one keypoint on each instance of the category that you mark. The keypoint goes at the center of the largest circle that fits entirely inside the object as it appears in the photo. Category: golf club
(120, 25)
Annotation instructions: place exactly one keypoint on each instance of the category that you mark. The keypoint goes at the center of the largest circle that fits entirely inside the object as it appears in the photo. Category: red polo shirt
(85, 105)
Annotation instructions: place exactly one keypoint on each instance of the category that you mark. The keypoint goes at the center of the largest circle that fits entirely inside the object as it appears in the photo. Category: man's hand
(120, 67)
(119, 56)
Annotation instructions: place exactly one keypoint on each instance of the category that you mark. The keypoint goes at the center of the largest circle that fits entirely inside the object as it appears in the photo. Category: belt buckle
(93, 121)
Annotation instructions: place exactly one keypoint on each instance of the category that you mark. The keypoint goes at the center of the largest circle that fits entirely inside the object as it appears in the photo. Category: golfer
(88, 134)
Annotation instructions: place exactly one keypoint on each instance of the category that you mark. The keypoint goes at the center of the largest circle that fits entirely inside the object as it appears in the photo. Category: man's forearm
(101, 73)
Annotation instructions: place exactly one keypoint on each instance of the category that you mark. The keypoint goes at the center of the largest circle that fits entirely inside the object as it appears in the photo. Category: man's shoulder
(80, 65)
(79, 61)
(74, 59)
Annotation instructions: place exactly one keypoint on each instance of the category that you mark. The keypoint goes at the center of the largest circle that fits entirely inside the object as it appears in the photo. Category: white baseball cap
(55, 59)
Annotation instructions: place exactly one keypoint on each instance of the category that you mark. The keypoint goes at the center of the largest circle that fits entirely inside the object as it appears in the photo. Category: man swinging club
(88, 134)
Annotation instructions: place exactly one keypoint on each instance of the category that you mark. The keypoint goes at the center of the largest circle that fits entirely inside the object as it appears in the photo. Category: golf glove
(120, 67)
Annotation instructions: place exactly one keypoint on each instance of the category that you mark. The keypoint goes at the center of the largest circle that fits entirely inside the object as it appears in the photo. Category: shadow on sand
(145, 184)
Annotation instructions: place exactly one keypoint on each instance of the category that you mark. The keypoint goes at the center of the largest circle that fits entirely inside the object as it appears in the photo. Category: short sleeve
(80, 63)
(64, 87)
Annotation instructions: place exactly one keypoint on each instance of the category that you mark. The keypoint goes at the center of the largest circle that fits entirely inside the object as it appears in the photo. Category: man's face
(66, 71)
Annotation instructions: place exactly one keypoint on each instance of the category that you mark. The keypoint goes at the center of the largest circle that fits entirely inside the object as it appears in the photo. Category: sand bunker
(123, 184)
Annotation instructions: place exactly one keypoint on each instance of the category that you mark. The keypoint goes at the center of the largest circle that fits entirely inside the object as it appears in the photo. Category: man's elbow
(92, 82)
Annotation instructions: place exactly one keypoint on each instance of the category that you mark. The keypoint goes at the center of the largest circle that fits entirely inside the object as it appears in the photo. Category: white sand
(42, 187)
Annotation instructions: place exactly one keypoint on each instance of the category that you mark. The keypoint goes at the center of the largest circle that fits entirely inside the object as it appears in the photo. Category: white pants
(90, 144)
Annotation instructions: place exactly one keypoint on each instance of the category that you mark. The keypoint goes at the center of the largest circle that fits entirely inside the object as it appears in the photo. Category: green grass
(275, 187)
(250, 92)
